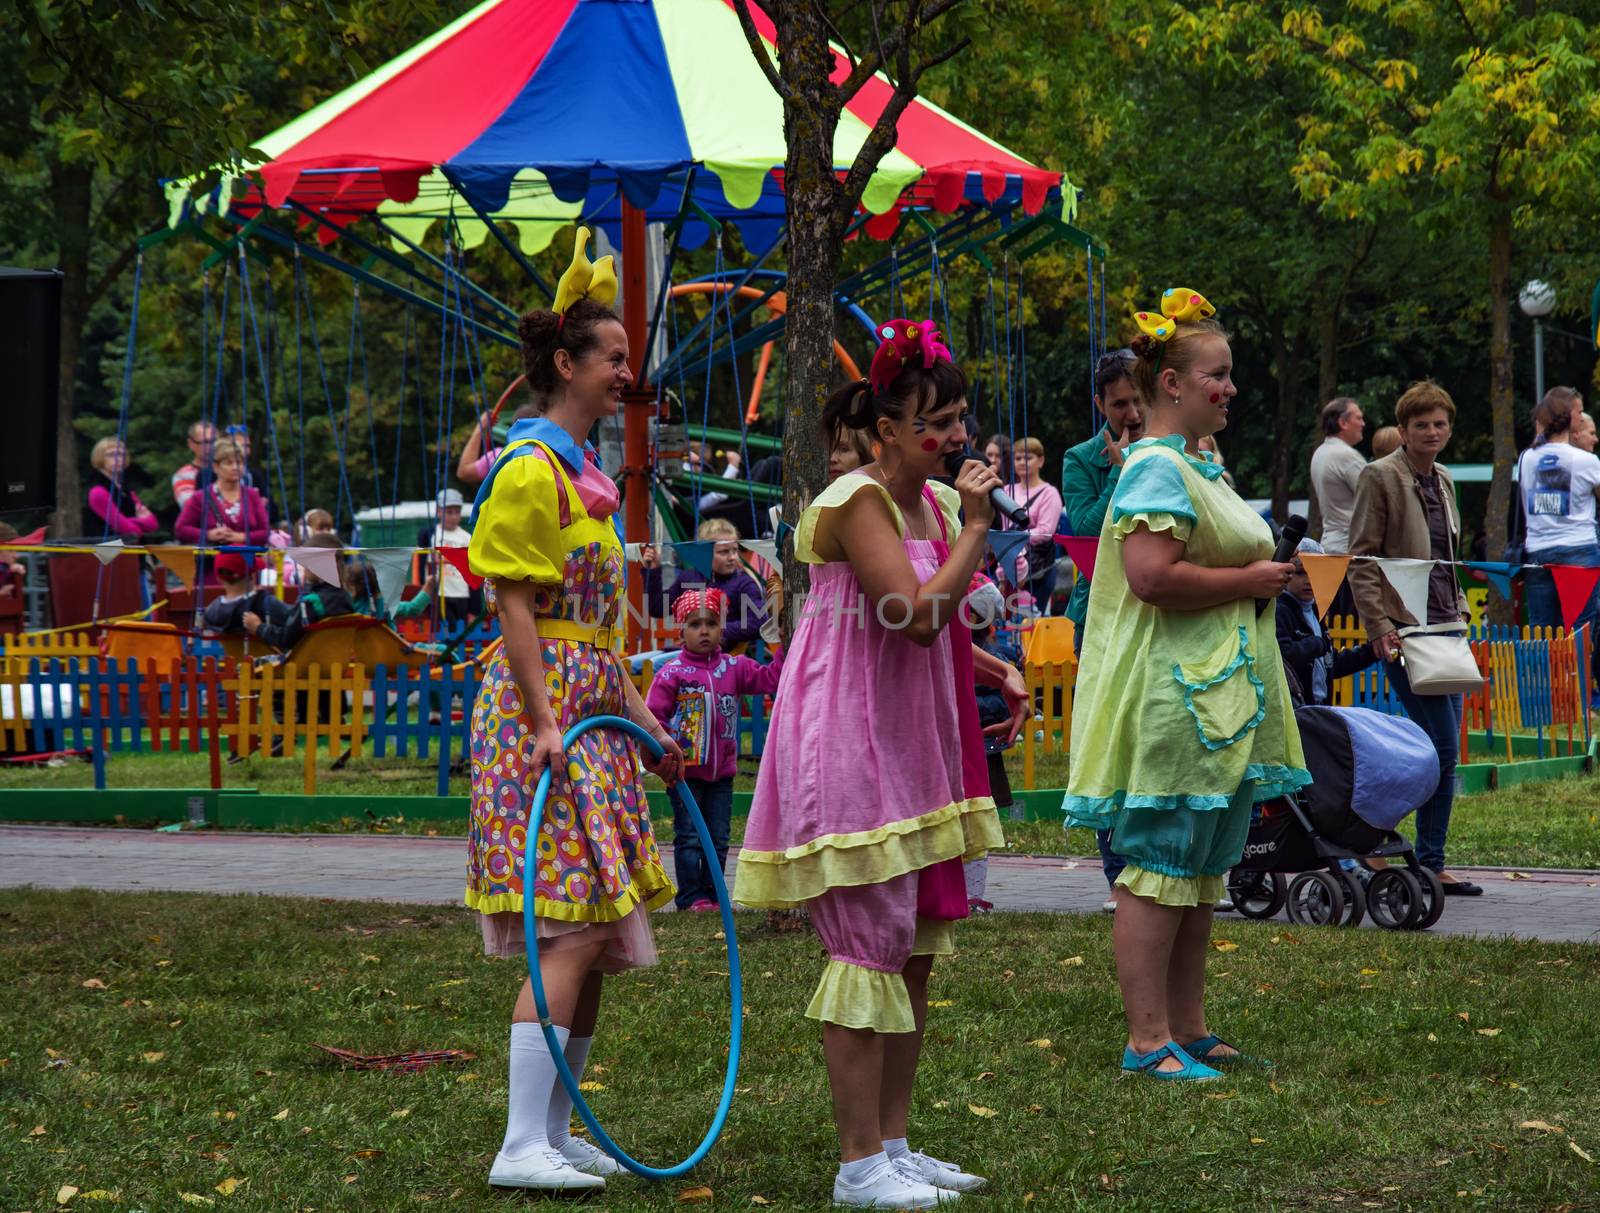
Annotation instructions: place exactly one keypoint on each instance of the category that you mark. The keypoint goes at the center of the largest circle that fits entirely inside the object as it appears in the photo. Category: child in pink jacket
(696, 694)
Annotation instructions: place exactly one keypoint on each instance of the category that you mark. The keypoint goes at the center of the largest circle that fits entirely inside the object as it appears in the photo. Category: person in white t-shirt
(1558, 483)
(454, 595)
(1335, 467)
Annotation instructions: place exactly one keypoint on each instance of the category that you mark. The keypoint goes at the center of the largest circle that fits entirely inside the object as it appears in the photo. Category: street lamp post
(1537, 300)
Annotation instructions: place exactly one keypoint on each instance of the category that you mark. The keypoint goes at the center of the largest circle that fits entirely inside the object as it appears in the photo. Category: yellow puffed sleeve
(950, 506)
(516, 535)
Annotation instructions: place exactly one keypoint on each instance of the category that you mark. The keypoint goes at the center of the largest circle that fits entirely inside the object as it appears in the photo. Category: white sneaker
(1108, 906)
(546, 1170)
(890, 1186)
(941, 1174)
(588, 1157)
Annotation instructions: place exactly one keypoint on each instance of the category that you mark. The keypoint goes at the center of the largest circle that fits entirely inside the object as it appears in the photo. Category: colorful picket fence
(1536, 683)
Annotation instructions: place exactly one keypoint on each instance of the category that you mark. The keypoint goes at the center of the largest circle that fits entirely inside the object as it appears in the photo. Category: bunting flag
(392, 567)
(1006, 544)
(697, 554)
(323, 562)
(767, 550)
(1409, 578)
(108, 551)
(32, 537)
(1326, 574)
(1575, 586)
(178, 561)
(457, 558)
(1498, 572)
(1081, 550)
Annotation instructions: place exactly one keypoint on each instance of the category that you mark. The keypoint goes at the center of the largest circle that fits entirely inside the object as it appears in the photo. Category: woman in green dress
(1181, 721)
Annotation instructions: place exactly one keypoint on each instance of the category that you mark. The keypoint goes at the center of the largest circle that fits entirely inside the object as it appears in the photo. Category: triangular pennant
(458, 560)
(1006, 544)
(766, 549)
(1498, 572)
(392, 567)
(324, 562)
(180, 562)
(697, 554)
(108, 551)
(1575, 586)
(1081, 550)
(1326, 574)
(32, 537)
(1410, 580)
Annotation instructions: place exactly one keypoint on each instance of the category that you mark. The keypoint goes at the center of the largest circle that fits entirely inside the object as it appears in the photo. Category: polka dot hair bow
(690, 601)
(901, 340)
(1179, 305)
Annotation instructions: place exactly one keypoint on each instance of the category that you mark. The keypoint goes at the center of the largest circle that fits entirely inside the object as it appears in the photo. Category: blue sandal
(1204, 1050)
(1146, 1063)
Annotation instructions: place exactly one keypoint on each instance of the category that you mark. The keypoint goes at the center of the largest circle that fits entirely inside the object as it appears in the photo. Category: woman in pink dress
(873, 784)
(228, 512)
(112, 501)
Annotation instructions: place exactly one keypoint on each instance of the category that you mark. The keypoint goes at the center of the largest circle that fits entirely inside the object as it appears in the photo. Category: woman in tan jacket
(1406, 507)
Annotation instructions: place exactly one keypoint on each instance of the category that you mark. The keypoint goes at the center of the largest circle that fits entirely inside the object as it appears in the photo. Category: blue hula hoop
(735, 984)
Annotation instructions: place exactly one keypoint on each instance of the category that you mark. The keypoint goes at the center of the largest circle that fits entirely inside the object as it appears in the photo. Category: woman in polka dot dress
(543, 534)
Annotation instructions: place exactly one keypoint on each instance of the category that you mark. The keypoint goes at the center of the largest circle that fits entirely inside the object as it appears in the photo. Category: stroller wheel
(1432, 898)
(1355, 899)
(1256, 894)
(1394, 899)
(1316, 899)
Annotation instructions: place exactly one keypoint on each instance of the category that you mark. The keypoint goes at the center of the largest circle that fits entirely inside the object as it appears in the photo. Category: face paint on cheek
(929, 445)
(919, 425)
(1216, 397)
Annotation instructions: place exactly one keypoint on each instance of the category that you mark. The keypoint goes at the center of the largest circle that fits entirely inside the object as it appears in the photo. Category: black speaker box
(30, 359)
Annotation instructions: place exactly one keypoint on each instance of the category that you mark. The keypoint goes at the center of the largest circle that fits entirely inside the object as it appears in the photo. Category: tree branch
(1467, 21)
(835, 32)
(113, 272)
(895, 46)
(758, 48)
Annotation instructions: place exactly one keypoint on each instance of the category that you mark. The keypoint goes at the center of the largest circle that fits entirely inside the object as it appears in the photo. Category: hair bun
(1145, 347)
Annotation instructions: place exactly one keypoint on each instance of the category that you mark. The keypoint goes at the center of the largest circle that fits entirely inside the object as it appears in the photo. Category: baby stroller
(1371, 771)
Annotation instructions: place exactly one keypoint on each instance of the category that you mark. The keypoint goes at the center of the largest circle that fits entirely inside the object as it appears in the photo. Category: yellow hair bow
(1178, 305)
(584, 279)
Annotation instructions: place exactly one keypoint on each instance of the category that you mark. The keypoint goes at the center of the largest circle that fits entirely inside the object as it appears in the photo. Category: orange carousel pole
(639, 403)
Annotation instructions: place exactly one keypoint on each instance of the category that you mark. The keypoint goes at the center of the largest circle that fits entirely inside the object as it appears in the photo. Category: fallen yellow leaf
(154, 1057)
(65, 1193)
(100, 1194)
(228, 1186)
(941, 1103)
(1027, 1198)
(1540, 1126)
(1224, 945)
(1258, 1141)
(1433, 1038)
(1073, 962)
(942, 1002)
(980, 1110)
(1042, 1043)
(759, 1200)
(94, 983)
(591, 1085)
(1369, 972)
(399, 1113)
(194, 1198)
(454, 981)
(366, 1154)
(1516, 876)
(281, 1115)
(1489, 1031)
(1464, 1016)
(693, 1194)
(1580, 1151)
(37, 1131)
(349, 1179)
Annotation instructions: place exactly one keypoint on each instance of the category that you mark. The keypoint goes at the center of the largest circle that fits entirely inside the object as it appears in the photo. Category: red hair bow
(690, 601)
(902, 339)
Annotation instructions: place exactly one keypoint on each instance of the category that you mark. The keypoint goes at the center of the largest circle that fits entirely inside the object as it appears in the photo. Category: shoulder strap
(932, 499)
(528, 446)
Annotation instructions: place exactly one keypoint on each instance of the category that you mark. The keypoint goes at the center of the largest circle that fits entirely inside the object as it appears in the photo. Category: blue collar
(542, 429)
(1205, 466)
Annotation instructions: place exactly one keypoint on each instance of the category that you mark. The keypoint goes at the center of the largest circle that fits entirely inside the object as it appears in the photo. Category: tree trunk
(1501, 397)
(70, 189)
(816, 221)
(1286, 358)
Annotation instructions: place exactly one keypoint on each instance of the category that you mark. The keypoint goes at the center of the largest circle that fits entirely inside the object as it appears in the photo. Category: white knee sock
(559, 1124)
(533, 1074)
(895, 1147)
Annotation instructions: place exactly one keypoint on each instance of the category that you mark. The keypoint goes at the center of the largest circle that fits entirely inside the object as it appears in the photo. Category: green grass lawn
(1553, 824)
(155, 1047)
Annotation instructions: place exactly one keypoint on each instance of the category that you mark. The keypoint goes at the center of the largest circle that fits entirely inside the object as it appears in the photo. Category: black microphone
(1288, 542)
(1003, 505)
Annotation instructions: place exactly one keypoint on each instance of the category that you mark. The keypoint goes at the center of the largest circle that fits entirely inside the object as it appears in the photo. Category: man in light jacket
(1335, 467)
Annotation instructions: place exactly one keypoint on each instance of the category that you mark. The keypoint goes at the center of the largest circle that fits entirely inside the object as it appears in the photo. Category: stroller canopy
(1382, 768)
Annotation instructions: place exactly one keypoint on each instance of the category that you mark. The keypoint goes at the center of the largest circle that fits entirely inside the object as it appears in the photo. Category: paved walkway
(1533, 904)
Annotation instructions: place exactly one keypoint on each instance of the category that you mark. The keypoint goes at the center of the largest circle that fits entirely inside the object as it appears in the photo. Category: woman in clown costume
(544, 536)
(873, 784)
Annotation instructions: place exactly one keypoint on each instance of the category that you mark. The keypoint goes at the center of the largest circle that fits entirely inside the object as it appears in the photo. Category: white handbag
(1439, 661)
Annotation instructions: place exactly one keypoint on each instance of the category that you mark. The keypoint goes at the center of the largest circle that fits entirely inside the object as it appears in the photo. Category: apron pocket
(1223, 694)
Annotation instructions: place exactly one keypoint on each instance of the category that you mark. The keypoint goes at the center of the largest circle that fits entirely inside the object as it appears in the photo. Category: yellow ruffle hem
(1183, 891)
(782, 880)
(650, 888)
(854, 997)
(935, 937)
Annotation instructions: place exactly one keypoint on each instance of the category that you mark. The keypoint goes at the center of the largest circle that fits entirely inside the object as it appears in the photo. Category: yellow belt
(602, 636)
